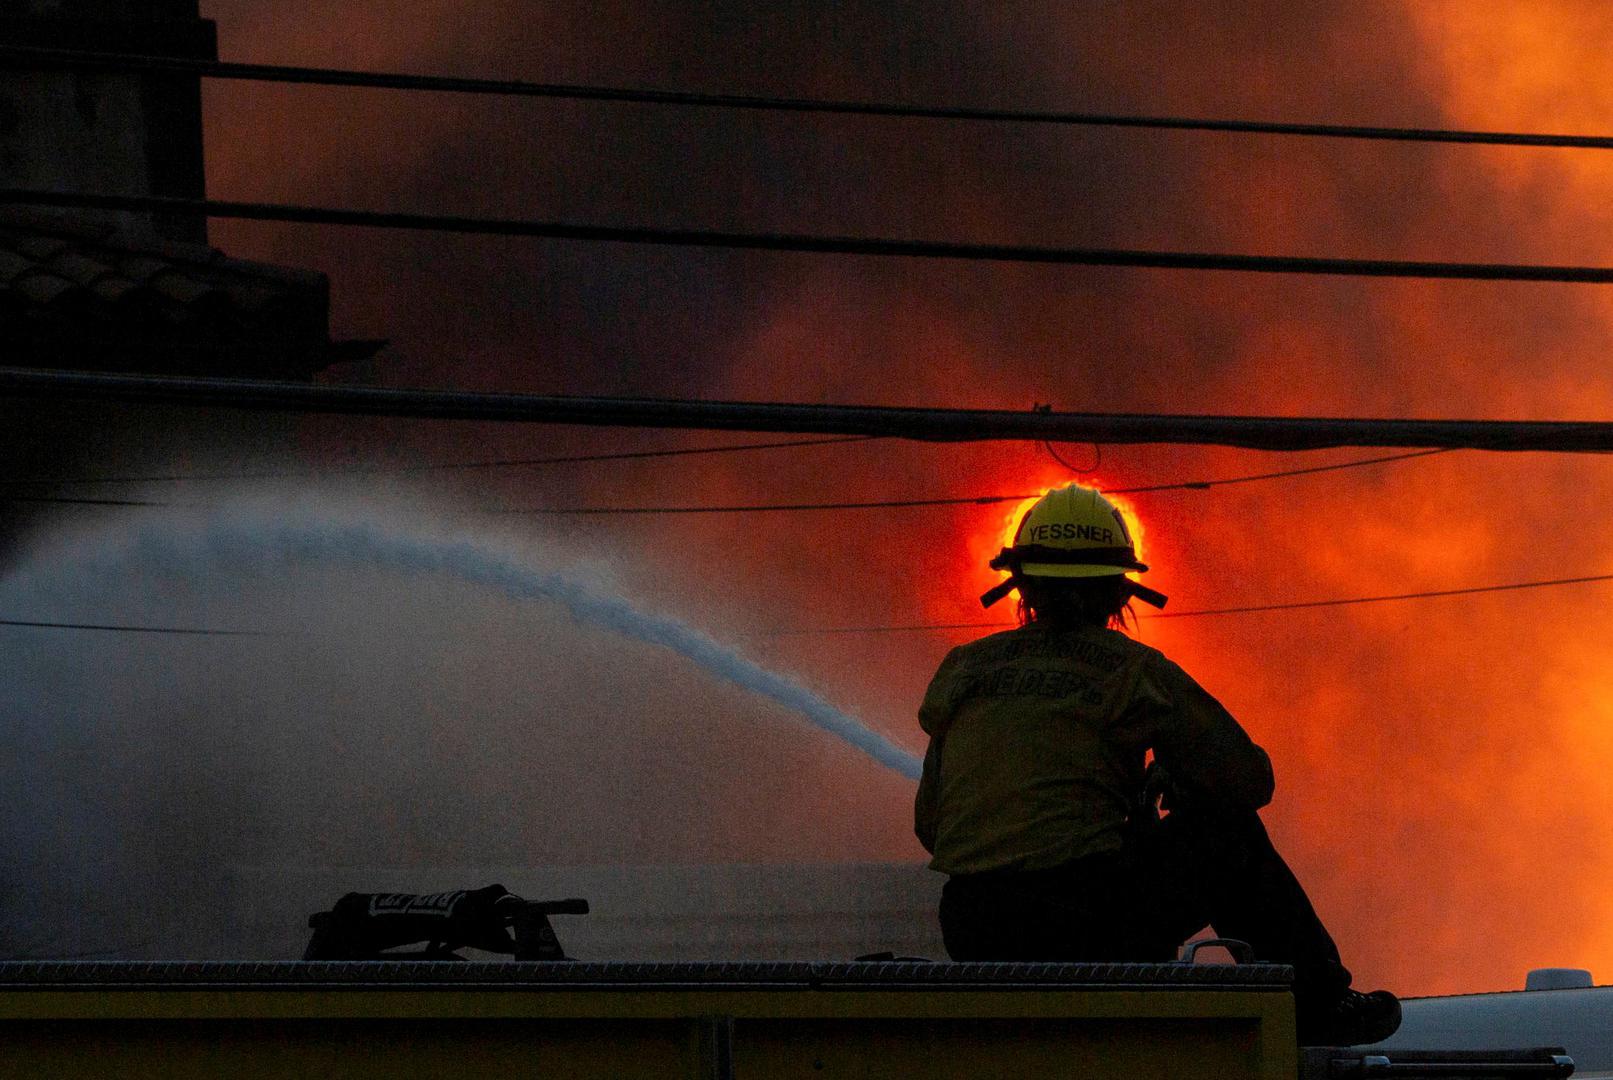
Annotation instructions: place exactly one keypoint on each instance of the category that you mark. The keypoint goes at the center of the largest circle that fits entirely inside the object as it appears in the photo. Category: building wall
(125, 134)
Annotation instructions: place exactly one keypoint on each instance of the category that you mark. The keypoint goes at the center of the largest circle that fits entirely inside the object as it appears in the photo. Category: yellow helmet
(1071, 532)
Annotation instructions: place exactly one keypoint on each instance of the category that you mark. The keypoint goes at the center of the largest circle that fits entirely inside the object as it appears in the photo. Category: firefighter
(1036, 802)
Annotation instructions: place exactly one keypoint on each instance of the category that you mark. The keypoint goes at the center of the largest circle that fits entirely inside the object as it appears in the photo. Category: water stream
(258, 541)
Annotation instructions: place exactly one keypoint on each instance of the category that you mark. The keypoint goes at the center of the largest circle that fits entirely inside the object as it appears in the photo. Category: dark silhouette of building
(118, 291)
(113, 290)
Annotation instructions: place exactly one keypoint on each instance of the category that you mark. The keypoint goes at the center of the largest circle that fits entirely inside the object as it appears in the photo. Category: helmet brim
(1077, 570)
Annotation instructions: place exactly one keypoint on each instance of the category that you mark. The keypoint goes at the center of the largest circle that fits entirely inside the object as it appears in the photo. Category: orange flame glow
(1010, 526)
(989, 544)
(1455, 749)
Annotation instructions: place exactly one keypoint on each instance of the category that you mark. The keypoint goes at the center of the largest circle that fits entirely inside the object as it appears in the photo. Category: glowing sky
(1441, 766)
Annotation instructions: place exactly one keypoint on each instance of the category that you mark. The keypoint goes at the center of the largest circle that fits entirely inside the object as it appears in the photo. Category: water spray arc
(255, 541)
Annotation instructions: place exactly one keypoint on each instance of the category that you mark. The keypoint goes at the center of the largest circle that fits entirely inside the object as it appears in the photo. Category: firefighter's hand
(1172, 795)
(1156, 786)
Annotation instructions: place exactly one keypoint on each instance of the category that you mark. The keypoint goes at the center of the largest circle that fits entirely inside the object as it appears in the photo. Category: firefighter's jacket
(1037, 741)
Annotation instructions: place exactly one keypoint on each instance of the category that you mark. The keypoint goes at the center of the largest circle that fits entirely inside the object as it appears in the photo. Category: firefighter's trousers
(1140, 903)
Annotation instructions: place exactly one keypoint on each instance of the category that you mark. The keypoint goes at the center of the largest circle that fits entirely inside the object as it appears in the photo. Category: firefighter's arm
(935, 714)
(1204, 750)
(924, 802)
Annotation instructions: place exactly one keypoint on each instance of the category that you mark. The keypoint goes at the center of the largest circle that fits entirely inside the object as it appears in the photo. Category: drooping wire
(971, 500)
(1199, 485)
(761, 508)
(1206, 612)
(764, 508)
(1427, 594)
(1097, 458)
(23, 57)
(1047, 446)
(832, 630)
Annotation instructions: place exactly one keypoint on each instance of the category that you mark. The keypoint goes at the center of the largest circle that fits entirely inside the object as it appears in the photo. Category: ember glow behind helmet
(1071, 532)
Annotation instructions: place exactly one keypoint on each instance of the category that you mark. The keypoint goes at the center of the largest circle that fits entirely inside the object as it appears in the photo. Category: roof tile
(40, 248)
(142, 267)
(115, 289)
(80, 268)
(73, 287)
(176, 286)
(40, 287)
(12, 264)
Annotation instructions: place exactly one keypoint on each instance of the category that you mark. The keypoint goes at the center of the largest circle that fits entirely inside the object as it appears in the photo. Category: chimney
(123, 134)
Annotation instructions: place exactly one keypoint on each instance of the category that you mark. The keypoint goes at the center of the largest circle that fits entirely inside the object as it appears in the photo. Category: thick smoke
(1438, 765)
(415, 699)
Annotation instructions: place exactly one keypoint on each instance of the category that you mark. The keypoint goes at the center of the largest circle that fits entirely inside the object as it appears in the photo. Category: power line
(69, 500)
(765, 508)
(960, 500)
(21, 57)
(1425, 595)
(185, 630)
(1199, 485)
(1097, 459)
(828, 630)
(750, 508)
(368, 470)
(931, 425)
(814, 243)
(1205, 612)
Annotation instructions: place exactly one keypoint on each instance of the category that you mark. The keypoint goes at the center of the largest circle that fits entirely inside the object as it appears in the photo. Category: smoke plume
(1439, 764)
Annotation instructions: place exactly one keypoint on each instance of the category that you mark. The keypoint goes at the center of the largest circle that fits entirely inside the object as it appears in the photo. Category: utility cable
(765, 508)
(762, 508)
(17, 57)
(187, 630)
(828, 630)
(922, 424)
(377, 470)
(960, 500)
(815, 243)
(1205, 612)
(69, 500)
(1097, 459)
(966, 500)
(584, 511)
(1202, 485)
(1425, 595)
